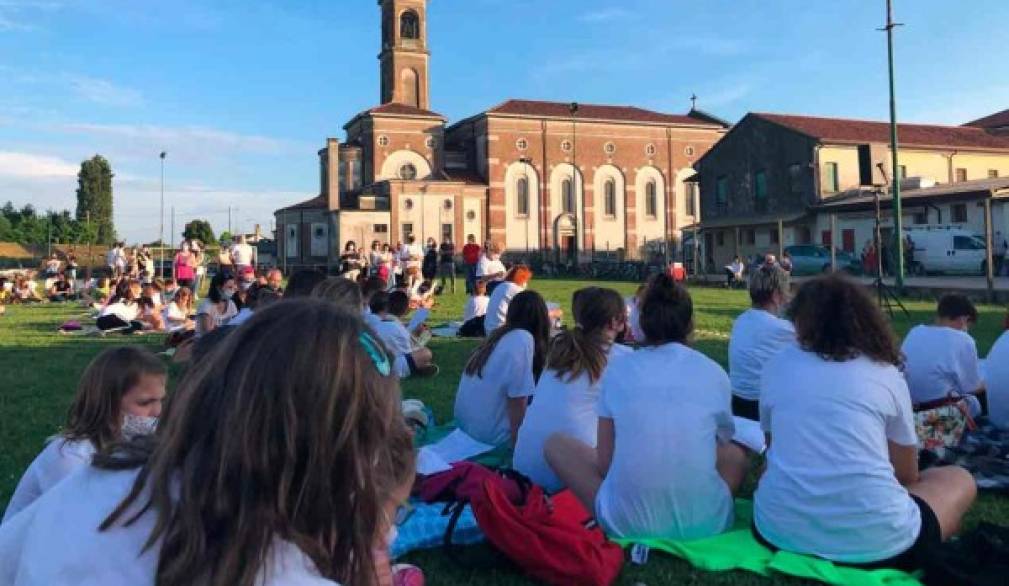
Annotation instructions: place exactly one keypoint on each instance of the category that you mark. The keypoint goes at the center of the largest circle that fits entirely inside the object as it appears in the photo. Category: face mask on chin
(246, 286)
(137, 426)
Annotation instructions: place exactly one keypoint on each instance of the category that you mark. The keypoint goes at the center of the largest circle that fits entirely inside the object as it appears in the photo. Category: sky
(241, 94)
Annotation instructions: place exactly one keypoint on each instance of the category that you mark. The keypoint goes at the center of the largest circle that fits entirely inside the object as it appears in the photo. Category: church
(566, 179)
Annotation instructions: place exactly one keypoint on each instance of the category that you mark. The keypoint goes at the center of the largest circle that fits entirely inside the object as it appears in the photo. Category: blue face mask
(227, 294)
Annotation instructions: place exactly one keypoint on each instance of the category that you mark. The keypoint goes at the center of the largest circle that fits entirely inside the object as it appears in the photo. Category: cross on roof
(693, 101)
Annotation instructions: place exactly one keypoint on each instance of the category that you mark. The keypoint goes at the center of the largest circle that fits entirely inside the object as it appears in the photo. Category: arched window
(610, 199)
(409, 25)
(567, 197)
(522, 197)
(651, 200)
(408, 172)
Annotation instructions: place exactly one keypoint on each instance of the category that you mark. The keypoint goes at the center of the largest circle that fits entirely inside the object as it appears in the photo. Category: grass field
(39, 370)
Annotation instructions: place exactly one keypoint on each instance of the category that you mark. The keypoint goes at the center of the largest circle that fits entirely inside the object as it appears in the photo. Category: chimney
(332, 162)
(259, 233)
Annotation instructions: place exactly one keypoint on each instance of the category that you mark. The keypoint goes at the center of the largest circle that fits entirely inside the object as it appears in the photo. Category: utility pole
(229, 219)
(173, 225)
(91, 240)
(894, 175)
(161, 216)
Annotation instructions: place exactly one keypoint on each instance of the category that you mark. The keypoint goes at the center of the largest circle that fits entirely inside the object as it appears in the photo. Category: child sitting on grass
(119, 397)
(410, 358)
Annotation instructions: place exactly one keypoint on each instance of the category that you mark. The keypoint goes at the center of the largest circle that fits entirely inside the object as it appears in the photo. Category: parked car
(947, 249)
(810, 259)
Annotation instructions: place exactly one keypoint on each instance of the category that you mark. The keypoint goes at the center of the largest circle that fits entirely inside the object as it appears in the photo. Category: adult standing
(184, 266)
(471, 257)
(201, 267)
(120, 259)
(242, 254)
(351, 261)
(490, 270)
(225, 262)
(446, 262)
(110, 260)
(410, 258)
(429, 267)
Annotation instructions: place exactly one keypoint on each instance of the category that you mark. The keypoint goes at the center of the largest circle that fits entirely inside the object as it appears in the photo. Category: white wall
(557, 177)
(649, 228)
(427, 214)
(609, 230)
(392, 164)
(522, 233)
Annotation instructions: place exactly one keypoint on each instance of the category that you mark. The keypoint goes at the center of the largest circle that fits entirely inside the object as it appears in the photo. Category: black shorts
(913, 559)
(745, 408)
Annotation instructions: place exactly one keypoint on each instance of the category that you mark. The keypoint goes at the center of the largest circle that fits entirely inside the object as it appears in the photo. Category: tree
(226, 238)
(94, 198)
(199, 230)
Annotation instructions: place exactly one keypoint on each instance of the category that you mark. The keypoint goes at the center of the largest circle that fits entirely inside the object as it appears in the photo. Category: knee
(555, 447)
(423, 356)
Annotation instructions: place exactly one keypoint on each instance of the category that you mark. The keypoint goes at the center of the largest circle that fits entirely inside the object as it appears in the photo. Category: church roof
(317, 202)
(865, 131)
(533, 108)
(997, 120)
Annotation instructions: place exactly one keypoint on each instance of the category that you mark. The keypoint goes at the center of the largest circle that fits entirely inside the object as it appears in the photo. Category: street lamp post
(574, 180)
(161, 216)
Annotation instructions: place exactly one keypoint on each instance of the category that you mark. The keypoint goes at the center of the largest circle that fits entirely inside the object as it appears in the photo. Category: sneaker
(428, 371)
(407, 575)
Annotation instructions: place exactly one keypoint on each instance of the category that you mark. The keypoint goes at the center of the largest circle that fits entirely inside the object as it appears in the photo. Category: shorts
(745, 408)
(913, 559)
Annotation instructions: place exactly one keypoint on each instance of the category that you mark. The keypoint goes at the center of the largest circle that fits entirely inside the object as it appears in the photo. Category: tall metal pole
(579, 230)
(894, 176)
(161, 216)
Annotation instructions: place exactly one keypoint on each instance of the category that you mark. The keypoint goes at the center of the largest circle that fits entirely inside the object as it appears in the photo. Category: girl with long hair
(842, 479)
(123, 312)
(272, 468)
(664, 466)
(118, 397)
(178, 312)
(218, 307)
(568, 391)
(501, 375)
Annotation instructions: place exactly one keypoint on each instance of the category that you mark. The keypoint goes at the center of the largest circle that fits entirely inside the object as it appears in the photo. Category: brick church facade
(530, 176)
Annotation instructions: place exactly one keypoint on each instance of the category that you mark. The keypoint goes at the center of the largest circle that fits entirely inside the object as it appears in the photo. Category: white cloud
(26, 165)
(8, 8)
(605, 15)
(104, 92)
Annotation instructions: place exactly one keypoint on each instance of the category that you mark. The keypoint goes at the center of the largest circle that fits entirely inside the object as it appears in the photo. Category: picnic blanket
(426, 525)
(984, 452)
(500, 457)
(737, 549)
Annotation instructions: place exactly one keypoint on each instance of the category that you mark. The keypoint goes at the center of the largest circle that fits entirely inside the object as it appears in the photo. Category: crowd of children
(283, 454)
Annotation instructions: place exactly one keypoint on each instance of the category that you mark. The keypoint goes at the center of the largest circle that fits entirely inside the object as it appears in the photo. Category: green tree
(226, 238)
(199, 230)
(94, 197)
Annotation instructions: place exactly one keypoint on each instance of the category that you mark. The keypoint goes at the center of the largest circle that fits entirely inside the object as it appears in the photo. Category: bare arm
(205, 323)
(605, 443)
(905, 463)
(516, 413)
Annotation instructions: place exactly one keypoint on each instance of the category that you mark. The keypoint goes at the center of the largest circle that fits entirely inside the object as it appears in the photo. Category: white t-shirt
(670, 406)
(997, 382)
(242, 254)
(561, 406)
(497, 305)
(412, 255)
(56, 461)
(487, 267)
(111, 257)
(939, 361)
(174, 315)
(476, 306)
(634, 320)
(756, 337)
(212, 309)
(481, 403)
(121, 310)
(394, 335)
(56, 541)
(829, 489)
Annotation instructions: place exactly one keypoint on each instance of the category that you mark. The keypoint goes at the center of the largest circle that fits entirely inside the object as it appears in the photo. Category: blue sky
(243, 93)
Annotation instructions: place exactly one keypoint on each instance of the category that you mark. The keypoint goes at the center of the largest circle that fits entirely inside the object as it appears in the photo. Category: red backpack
(553, 539)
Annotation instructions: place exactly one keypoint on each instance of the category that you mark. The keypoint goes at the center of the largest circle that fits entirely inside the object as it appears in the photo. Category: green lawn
(39, 370)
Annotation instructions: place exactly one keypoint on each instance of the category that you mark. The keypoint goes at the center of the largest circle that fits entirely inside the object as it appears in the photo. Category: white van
(946, 249)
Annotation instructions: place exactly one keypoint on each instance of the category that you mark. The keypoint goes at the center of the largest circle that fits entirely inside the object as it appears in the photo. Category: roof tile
(592, 112)
(996, 120)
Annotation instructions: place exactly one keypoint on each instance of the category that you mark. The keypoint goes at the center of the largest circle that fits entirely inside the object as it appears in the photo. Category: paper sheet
(749, 434)
(429, 462)
(458, 446)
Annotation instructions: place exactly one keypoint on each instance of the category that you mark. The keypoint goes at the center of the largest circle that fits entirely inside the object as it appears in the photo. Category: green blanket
(737, 549)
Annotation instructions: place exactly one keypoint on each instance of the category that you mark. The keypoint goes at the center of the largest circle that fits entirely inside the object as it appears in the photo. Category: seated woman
(287, 471)
(501, 375)
(24, 291)
(664, 466)
(118, 397)
(123, 311)
(218, 307)
(842, 479)
(758, 334)
(514, 283)
(568, 391)
(178, 313)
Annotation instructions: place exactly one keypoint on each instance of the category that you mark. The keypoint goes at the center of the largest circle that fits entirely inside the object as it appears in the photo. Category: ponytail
(584, 349)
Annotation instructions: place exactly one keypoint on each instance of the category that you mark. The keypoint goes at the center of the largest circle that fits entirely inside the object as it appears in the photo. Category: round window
(408, 203)
(471, 215)
(521, 144)
(566, 146)
(448, 204)
(650, 150)
(610, 148)
(383, 141)
(408, 172)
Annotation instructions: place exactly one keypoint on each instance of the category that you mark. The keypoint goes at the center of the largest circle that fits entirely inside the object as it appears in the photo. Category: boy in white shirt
(758, 334)
(409, 359)
(490, 269)
(941, 360)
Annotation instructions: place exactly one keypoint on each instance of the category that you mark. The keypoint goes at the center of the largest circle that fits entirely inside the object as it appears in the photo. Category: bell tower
(405, 58)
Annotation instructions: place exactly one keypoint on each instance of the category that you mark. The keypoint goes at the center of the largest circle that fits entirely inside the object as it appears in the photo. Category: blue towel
(425, 528)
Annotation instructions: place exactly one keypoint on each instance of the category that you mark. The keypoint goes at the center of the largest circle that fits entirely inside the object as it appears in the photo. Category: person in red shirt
(470, 257)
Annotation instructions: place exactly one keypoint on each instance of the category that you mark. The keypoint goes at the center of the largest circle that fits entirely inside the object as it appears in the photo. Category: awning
(748, 221)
